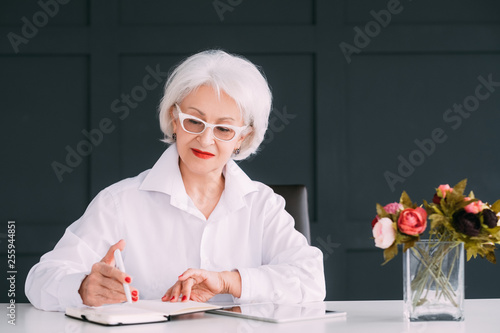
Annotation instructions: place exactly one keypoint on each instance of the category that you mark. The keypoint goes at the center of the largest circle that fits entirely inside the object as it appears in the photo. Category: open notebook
(141, 312)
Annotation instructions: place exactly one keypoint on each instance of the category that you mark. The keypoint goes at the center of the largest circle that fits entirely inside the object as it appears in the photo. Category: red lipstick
(202, 154)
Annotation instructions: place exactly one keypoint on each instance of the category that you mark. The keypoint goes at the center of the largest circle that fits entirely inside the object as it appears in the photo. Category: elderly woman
(194, 227)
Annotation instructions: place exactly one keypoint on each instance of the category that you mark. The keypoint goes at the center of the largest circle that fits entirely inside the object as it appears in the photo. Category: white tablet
(280, 313)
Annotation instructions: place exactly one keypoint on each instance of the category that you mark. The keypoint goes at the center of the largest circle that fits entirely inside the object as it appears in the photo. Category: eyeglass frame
(183, 116)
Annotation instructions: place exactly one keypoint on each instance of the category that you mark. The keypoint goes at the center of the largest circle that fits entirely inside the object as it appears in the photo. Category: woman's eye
(194, 122)
(223, 129)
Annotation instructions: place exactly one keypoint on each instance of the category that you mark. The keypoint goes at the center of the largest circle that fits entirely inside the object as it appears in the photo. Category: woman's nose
(207, 137)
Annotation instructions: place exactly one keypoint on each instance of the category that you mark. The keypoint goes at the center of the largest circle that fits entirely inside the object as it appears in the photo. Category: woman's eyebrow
(203, 114)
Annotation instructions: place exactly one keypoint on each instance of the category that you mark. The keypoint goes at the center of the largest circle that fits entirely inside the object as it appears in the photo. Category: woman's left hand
(200, 285)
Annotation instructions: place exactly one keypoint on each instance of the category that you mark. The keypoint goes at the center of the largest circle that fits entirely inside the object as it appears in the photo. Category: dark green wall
(348, 107)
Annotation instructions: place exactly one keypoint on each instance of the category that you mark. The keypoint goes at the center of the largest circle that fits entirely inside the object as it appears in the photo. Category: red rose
(436, 199)
(412, 221)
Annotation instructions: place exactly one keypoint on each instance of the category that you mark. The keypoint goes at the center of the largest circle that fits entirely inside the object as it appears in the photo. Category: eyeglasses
(194, 125)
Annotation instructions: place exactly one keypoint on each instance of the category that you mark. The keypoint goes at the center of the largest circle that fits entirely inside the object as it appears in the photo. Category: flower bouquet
(433, 269)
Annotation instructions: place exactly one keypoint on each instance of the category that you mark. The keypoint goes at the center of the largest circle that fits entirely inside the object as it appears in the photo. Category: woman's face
(203, 154)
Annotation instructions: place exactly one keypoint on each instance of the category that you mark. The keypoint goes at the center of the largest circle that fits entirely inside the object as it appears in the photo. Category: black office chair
(296, 205)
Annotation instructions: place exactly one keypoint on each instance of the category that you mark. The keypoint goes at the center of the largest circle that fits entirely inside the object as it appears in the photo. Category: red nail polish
(134, 293)
(135, 299)
(128, 279)
(172, 298)
(184, 298)
(181, 275)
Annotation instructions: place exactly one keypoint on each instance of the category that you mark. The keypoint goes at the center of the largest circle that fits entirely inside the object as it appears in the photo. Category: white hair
(237, 77)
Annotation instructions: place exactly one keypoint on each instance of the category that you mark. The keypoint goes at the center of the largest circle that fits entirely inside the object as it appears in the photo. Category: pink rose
(384, 233)
(393, 207)
(474, 207)
(444, 189)
(412, 221)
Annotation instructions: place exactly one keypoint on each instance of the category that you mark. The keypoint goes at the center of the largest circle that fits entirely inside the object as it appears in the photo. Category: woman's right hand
(104, 284)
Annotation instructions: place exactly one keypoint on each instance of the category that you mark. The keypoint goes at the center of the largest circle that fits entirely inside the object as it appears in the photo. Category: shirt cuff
(251, 277)
(245, 287)
(67, 291)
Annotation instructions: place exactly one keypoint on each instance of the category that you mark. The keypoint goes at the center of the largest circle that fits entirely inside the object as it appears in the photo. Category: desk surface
(362, 316)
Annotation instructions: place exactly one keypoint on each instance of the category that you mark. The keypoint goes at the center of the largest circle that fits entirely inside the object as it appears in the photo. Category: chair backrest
(296, 205)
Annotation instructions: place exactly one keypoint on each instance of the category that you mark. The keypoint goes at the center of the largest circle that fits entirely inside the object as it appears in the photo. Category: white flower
(384, 233)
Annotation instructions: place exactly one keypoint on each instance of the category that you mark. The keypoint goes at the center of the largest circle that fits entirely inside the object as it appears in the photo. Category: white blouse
(249, 230)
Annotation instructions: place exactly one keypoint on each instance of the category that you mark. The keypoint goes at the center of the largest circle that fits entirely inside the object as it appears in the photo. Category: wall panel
(199, 12)
(140, 131)
(411, 12)
(44, 113)
(74, 13)
(399, 100)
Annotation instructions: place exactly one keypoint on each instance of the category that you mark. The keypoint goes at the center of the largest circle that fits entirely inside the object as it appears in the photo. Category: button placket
(204, 255)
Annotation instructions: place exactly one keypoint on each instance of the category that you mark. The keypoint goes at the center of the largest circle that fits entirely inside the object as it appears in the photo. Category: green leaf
(428, 207)
(437, 221)
(405, 200)
(390, 253)
(402, 238)
(496, 206)
(410, 243)
(452, 200)
(491, 257)
(381, 211)
(469, 255)
(460, 187)
(495, 234)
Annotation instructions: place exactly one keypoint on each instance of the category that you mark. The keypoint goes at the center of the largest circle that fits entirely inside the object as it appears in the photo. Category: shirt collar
(157, 180)
(165, 177)
(237, 186)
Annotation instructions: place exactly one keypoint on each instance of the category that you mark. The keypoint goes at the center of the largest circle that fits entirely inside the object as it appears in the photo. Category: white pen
(121, 267)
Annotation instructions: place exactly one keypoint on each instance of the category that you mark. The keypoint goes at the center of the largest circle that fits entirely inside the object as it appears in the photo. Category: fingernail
(128, 279)
(181, 275)
(184, 298)
(172, 298)
(135, 299)
(134, 293)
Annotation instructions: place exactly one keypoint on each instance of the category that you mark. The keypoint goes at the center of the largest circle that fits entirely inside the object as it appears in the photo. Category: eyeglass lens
(220, 132)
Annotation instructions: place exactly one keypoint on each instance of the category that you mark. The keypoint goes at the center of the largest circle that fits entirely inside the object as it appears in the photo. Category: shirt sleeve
(292, 271)
(53, 283)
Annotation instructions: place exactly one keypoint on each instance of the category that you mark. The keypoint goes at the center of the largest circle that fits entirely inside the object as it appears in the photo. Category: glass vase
(433, 281)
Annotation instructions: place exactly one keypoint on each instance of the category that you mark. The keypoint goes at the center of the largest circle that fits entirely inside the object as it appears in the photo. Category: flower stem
(431, 273)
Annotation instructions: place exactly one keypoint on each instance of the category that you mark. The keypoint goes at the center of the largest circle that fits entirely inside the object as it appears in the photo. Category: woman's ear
(247, 133)
(174, 123)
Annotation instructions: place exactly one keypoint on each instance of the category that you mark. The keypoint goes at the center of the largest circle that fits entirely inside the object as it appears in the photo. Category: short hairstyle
(236, 76)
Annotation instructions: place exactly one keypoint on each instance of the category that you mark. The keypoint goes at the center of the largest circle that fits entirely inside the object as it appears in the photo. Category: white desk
(362, 316)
